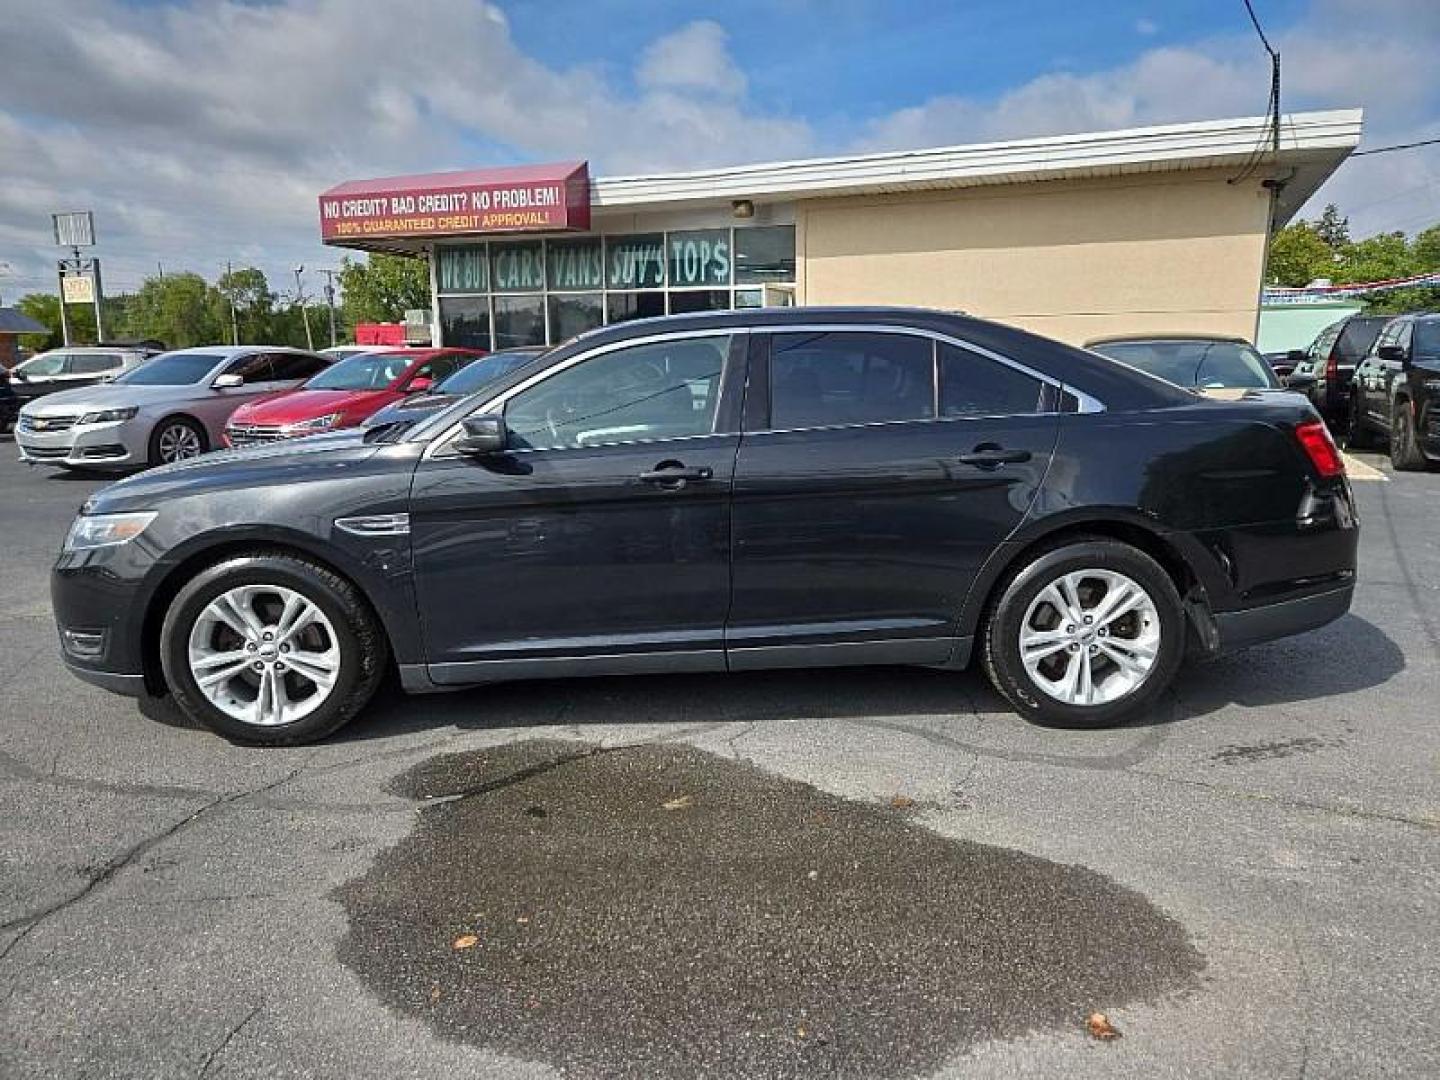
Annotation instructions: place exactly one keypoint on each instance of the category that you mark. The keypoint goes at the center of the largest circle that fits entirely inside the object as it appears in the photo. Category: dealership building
(1077, 236)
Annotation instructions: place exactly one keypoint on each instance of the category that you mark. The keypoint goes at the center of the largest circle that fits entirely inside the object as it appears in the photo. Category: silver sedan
(172, 407)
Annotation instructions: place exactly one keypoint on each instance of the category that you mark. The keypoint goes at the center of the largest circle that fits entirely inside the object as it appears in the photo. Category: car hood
(411, 410)
(111, 396)
(294, 406)
(268, 463)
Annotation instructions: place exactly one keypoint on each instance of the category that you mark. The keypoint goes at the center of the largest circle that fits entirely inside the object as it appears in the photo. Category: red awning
(516, 198)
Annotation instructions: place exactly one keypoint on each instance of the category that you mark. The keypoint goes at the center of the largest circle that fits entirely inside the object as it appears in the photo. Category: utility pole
(230, 292)
(330, 301)
(304, 314)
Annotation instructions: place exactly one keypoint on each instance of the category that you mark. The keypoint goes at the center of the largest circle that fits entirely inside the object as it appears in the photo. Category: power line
(1272, 107)
(1255, 21)
(1397, 146)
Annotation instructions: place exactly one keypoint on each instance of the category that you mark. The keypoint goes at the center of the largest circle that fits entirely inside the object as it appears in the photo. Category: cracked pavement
(168, 901)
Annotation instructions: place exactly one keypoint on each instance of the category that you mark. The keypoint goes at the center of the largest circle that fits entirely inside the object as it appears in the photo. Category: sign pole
(99, 298)
(64, 319)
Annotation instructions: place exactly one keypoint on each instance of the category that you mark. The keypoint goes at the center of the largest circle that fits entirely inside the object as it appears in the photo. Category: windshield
(480, 372)
(1426, 345)
(367, 371)
(1202, 365)
(172, 369)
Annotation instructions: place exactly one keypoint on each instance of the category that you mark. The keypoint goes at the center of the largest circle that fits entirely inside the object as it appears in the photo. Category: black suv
(1397, 392)
(726, 491)
(1325, 371)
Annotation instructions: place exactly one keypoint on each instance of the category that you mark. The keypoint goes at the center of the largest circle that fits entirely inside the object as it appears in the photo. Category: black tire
(1405, 452)
(172, 424)
(1000, 648)
(1358, 435)
(364, 650)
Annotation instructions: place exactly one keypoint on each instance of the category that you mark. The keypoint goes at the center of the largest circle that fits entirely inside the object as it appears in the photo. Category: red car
(345, 394)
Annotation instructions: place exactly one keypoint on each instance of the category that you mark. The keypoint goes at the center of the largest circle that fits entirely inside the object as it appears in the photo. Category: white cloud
(695, 58)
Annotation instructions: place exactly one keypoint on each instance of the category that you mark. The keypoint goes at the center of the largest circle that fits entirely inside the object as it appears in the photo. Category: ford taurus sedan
(171, 408)
(726, 492)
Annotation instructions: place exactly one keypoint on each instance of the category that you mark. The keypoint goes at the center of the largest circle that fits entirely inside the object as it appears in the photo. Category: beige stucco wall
(1179, 251)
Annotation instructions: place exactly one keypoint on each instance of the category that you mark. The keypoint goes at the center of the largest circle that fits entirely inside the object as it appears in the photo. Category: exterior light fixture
(742, 208)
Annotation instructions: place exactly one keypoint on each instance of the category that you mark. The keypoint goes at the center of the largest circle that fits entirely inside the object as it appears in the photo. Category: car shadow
(1349, 655)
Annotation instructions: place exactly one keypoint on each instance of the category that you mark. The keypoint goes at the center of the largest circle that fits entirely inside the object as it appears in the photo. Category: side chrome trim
(471, 672)
(375, 525)
(439, 445)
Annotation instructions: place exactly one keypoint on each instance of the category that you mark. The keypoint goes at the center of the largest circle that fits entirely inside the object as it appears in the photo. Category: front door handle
(672, 474)
(990, 456)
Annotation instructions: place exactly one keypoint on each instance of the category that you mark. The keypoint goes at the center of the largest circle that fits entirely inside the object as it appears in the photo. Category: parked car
(733, 491)
(1325, 372)
(1205, 363)
(468, 380)
(170, 408)
(9, 403)
(1283, 362)
(344, 395)
(344, 352)
(1396, 393)
(75, 366)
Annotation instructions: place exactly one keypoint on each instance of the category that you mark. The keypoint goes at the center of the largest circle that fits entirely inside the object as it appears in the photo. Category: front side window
(850, 377)
(974, 385)
(1426, 345)
(94, 363)
(252, 368)
(658, 390)
(172, 369)
(47, 365)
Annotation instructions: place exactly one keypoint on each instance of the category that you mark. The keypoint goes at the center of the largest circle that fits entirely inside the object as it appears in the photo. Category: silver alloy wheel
(1090, 637)
(178, 442)
(264, 655)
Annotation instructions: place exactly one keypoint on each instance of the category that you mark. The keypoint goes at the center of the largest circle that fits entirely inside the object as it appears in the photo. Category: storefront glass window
(701, 257)
(575, 265)
(519, 320)
(635, 262)
(699, 300)
(635, 305)
(766, 253)
(574, 314)
(517, 267)
(465, 321)
(463, 270)
(749, 298)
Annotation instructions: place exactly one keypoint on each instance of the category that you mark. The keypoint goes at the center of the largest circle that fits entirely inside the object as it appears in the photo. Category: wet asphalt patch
(659, 911)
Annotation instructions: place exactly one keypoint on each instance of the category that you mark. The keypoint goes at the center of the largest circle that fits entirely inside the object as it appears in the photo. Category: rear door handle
(672, 473)
(991, 457)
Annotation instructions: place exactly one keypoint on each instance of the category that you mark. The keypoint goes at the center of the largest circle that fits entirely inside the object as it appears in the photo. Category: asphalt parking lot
(866, 873)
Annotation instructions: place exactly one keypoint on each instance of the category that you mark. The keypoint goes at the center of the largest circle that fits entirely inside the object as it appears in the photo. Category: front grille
(251, 434)
(47, 423)
(40, 453)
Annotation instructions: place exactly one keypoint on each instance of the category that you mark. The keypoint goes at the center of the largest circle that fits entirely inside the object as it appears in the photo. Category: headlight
(109, 416)
(106, 530)
(320, 423)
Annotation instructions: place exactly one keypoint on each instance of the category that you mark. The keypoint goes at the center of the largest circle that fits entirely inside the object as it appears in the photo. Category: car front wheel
(177, 438)
(271, 648)
(1085, 634)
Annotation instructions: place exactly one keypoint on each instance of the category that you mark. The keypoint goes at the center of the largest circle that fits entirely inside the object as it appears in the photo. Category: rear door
(877, 472)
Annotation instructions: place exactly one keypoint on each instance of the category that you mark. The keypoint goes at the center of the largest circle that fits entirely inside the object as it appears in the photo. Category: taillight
(1320, 448)
(1332, 367)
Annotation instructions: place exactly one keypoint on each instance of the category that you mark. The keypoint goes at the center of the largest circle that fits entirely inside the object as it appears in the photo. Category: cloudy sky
(203, 131)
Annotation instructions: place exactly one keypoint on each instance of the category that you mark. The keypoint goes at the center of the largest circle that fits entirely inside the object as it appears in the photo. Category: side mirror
(483, 435)
(227, 382)
(1295, 356)
(1393, 354)
(419, 385)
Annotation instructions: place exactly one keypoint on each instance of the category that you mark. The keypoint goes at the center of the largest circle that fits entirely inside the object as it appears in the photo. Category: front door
(601, 540)
(871, 494)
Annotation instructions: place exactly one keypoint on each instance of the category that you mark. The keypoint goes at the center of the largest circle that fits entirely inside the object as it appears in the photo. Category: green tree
(383, 288)
(1376, 258)
(247, 295)
(179, 309)
(1333, 228)
(45, 308)
(1298, 256)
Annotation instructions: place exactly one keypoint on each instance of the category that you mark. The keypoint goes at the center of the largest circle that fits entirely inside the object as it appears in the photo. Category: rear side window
(94, 363)
(974, 385)
(252, 368)
(821, 379)
(296, 366)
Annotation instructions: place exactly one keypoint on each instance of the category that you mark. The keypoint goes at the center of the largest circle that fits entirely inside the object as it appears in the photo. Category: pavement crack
(230, 1034)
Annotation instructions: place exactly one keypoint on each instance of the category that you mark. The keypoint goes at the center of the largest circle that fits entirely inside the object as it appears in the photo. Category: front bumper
(115, 444)
(1284, 618)
(126, 685)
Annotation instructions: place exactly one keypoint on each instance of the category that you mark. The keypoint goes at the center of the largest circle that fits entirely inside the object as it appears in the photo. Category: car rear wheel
(271, 648)
(1405, 452)
(177, 438)
(1085, 634)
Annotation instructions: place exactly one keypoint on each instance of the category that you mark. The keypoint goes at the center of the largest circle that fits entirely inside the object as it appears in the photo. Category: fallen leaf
(684, 802)
(435, 993)
(466, 941)
(800, 1031)
(902, 802)
(813, 874)
(1099, 1026)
